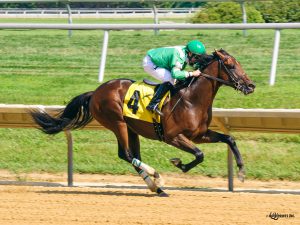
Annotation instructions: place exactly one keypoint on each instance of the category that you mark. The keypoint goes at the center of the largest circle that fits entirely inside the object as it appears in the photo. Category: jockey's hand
(196, 73)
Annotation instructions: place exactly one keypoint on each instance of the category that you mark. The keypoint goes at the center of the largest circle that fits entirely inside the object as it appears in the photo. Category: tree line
(275, 11)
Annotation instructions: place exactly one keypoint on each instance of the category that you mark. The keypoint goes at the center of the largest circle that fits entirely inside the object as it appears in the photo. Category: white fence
(101, 12)
(226, 120)
(107, 27)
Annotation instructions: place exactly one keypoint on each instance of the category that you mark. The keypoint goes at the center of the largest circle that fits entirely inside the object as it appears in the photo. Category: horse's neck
(202, 92)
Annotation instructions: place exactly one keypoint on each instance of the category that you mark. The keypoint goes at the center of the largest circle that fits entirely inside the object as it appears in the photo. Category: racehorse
(187, 115)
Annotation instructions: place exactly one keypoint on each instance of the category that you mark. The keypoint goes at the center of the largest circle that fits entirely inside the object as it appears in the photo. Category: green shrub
(228, 12)
(280, 11)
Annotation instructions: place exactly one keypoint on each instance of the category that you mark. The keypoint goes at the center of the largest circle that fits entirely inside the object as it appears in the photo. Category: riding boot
(159, 94)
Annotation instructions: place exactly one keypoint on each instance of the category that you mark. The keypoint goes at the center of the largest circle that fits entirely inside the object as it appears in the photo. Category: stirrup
(155, 109)
(158, 111)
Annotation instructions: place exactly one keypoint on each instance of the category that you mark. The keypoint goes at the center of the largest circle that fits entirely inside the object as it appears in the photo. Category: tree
(280, 11)
(228, 12)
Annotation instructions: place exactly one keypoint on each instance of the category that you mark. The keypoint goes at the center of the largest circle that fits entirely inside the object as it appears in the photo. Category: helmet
(196, 47)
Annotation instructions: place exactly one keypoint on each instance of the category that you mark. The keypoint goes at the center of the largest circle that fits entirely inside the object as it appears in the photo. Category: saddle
(149, 82)
(177, 87)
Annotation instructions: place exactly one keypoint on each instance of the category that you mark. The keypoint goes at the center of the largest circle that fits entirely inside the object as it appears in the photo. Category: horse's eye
(231, 67)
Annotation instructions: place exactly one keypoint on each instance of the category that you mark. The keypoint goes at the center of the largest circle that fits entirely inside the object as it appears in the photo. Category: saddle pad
(136, 100)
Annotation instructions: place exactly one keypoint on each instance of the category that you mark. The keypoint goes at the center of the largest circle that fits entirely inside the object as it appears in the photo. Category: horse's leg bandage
(143, 166)
(158, 180)
(151, 185)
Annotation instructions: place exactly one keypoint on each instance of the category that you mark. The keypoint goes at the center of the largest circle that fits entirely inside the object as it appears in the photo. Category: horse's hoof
(176, 161)
(163, 194)
(184, 169)
(241, 175)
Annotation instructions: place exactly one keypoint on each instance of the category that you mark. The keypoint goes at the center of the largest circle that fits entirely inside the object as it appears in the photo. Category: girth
(159, 131)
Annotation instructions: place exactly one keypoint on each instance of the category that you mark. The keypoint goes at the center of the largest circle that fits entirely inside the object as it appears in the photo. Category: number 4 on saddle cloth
(136, 100)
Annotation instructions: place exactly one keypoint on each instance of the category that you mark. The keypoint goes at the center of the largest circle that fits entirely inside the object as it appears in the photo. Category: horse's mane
(203, 61)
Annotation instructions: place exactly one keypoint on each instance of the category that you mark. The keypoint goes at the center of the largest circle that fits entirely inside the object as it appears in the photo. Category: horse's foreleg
(213, 137)
(185, 144)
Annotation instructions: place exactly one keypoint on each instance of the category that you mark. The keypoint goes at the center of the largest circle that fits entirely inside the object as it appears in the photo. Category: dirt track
(101, 205)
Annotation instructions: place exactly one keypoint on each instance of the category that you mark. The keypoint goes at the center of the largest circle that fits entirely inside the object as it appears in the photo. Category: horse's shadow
(108, 193)
(104, 190)
(202, 189)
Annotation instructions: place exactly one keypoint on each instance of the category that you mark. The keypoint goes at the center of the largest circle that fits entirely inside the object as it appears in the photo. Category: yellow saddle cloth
(136, 100)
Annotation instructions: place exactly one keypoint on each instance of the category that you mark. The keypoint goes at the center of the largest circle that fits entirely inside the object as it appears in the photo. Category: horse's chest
(197, 123)
(202, 123)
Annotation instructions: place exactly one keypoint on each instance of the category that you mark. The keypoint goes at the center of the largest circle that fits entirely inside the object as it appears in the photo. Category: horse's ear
(218, 53)
(215, 53)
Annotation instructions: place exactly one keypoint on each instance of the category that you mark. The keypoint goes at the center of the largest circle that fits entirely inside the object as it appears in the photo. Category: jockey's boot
(159, 94)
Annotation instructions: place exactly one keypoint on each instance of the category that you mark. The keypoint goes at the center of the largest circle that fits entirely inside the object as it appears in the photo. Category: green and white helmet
(196, 47)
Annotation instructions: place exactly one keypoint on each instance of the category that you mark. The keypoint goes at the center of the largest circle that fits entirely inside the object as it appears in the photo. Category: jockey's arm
(178, 64)
(181, 74)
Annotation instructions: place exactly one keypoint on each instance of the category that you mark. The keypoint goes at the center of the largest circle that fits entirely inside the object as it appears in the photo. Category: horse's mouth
(247, 89)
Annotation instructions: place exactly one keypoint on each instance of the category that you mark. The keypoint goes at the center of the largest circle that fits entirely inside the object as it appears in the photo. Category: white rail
(178, 26)
(226, 120)
(106, 27)
(97, 11)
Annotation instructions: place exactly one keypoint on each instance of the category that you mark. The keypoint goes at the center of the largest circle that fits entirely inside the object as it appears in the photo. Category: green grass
(46, 67)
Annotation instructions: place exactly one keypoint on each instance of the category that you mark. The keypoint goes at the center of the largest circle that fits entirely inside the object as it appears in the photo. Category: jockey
(167, 64)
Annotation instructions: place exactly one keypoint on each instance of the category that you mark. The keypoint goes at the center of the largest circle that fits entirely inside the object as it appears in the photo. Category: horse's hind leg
(145, 171)
(129, 150)
(213, 137)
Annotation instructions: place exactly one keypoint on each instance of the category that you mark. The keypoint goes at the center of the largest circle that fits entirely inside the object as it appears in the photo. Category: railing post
(103, 56)
(155, 19)
(70, 157)
(275, 57)
(69, 19)
(244, 16)
(230, 169)
(223, 127)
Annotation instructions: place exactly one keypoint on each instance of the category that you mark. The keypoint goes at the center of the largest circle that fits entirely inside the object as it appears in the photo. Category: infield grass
(49, 68)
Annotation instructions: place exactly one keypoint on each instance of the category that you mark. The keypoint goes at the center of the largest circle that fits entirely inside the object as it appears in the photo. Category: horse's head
(231, 71)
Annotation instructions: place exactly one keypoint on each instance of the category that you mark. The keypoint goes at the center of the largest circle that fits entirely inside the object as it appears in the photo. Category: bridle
(234, 81)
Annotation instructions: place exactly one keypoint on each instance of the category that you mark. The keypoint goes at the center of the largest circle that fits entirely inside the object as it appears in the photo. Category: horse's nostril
(252, 85)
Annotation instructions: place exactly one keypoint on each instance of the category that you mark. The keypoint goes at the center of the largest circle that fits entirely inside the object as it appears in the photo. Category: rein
(192, 80)
(227, 83)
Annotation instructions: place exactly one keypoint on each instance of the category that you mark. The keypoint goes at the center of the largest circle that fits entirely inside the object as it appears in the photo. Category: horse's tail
(75, 115)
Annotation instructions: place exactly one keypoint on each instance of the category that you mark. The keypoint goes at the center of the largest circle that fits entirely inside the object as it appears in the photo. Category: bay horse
(187, 115)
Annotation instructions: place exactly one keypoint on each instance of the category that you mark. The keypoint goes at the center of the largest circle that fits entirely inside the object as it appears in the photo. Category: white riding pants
(158, 73)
